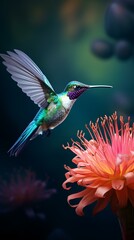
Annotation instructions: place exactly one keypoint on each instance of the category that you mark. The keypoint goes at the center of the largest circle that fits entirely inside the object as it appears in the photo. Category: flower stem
(126, 220)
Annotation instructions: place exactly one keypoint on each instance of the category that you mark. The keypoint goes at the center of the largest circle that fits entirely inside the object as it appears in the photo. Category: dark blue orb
(102, 48)
(123, 50)
(119, 22)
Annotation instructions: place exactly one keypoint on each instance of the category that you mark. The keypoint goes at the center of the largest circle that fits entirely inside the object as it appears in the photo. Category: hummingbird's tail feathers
(24, 138)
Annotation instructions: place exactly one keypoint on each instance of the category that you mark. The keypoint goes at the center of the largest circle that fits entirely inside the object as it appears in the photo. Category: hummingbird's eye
(77, 87)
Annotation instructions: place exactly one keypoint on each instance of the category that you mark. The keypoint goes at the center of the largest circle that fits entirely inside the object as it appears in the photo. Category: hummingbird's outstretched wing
(28, 77)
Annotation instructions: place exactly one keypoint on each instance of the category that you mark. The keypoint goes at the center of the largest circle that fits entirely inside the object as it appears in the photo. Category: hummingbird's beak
(100, 86)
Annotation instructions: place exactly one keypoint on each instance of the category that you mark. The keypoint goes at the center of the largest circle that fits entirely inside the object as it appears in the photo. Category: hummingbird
(54, 108)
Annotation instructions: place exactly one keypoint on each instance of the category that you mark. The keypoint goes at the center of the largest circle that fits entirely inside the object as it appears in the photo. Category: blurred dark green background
(57, 35)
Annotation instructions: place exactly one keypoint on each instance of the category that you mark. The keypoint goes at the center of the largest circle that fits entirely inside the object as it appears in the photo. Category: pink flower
(104, 165)
(23, 189)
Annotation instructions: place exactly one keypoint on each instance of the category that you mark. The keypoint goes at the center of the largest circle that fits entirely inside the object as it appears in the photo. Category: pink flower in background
(23, 189)
(104, 166)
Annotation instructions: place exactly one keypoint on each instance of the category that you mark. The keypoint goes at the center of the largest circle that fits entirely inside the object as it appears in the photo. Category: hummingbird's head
(74, 89)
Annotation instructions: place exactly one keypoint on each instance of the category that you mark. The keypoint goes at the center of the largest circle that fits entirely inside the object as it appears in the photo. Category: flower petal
(101, 191)
(102, 203)
(75, 196)
(114, 202)
(129, 178)
(86, 200)
(117, 184)
(122, 196)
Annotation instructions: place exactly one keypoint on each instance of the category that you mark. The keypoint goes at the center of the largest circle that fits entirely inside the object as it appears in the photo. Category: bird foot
(46, 133)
